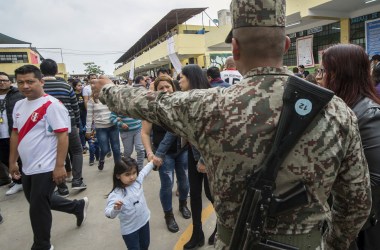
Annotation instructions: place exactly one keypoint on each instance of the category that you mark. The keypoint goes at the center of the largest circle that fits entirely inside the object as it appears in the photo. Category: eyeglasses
(4, 81)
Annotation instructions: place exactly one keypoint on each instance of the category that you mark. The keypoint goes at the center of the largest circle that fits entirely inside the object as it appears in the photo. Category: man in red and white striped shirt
(40, 136)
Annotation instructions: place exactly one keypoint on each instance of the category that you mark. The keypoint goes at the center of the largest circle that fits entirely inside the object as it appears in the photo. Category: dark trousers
(195, 181)
(138, 240)
(38, 190)
(76, 155)
(4, 158)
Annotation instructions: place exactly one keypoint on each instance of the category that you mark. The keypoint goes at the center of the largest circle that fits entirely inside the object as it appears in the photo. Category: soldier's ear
(235, 49)
(287, 44)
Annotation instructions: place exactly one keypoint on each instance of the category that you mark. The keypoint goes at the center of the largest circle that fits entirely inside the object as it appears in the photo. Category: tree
(92, 68)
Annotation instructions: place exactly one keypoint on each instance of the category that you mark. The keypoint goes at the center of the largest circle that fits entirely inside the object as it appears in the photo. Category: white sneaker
(15, 189)
(51, 247)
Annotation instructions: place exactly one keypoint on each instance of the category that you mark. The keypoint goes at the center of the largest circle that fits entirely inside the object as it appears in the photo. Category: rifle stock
(302, 101)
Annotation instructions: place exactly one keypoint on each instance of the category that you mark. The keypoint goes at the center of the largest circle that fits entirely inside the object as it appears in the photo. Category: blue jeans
(138, 240)
(132, 139)
(94, 149)
(179, 164)
(107, 136)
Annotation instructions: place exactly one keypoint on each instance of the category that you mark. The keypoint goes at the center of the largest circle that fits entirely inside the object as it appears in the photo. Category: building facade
(311, 25)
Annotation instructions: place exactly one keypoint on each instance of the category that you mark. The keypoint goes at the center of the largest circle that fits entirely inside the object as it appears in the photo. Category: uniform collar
(268, 71)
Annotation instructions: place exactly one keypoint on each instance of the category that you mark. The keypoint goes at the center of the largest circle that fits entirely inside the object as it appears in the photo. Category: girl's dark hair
(348, 73)
(195, 76)
(75, 82)
(163, 79)
(121, 167)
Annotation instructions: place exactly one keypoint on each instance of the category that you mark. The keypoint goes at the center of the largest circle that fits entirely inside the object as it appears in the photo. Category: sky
(104, 29)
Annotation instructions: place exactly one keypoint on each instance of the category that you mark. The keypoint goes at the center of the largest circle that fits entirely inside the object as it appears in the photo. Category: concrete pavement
(98, 232)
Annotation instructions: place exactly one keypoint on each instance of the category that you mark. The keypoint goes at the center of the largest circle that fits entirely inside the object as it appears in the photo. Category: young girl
(127, 200)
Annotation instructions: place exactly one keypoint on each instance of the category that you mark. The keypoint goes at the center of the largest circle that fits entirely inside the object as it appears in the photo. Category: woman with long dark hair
(165, 150)
(192, 77)
(347, 72)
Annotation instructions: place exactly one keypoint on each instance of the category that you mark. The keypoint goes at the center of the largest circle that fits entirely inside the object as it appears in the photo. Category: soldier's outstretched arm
(351, 195)
(183, 113)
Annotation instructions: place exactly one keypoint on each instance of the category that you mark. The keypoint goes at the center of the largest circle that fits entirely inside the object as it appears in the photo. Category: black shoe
(211, 239)
(4, 182)
(78, 185)
(197, 239)
(81, 217)
(91, 163)
(63, 192)
(1, 219)
(170, 222)
(109, 154)
(184, 210)
(101, 165)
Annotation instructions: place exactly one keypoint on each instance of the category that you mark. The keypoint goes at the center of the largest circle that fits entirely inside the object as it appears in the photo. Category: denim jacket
(165, 144)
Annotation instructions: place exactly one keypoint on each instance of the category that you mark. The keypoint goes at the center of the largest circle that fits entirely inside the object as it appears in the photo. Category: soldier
(234, 128)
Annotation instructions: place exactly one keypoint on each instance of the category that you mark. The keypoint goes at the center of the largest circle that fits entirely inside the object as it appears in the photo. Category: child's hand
(157, 161)
(124, 126)
(117, 205)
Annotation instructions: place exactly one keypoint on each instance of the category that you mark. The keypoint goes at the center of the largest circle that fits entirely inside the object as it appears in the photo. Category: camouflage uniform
(234, 128)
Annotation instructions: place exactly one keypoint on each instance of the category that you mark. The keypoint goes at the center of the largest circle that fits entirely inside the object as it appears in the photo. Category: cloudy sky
(105, 29)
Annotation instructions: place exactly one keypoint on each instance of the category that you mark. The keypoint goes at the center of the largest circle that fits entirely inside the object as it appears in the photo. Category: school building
(15, 53)
(312, 26)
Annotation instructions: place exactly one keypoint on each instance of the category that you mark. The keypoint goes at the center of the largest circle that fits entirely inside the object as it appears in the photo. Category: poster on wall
(304, 50)
(34, 58)
(218, 59)
(372, 37)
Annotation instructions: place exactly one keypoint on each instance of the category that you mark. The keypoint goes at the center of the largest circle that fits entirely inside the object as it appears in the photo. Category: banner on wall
(304, 48)
(173, 57)
(372, 37)
(132, 71)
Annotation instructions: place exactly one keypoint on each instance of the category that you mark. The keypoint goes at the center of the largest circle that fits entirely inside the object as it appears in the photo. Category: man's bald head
(230, 63)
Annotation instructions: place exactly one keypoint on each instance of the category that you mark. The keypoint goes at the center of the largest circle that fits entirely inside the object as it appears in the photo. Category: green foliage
(92, 68)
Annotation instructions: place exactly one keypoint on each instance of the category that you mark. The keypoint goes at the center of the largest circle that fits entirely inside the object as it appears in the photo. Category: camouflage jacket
(234, 127)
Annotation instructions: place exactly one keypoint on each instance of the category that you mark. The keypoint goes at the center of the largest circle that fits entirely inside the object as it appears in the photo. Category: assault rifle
(302, 102)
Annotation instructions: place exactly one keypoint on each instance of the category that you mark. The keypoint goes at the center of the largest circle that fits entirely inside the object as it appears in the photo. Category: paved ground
(98, 232)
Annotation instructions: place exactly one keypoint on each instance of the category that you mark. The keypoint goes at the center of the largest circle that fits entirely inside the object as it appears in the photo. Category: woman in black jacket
(347, 73)
(191, 78)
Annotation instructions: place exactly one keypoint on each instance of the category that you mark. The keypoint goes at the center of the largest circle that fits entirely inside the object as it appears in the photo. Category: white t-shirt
(4, 130)
(36, 128)
(86, 91)
(231, 76)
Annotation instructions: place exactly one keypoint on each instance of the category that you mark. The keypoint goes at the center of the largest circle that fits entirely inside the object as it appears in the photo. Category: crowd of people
(92, 128)
(208, 129)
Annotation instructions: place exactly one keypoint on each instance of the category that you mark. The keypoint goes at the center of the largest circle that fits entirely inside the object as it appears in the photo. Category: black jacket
(11, 98)
(368, 114)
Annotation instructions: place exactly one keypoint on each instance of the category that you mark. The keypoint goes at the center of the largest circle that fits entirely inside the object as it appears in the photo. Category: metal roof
(168, 22)
(4, 39)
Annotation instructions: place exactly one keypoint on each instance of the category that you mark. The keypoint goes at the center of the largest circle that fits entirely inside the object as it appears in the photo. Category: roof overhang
(167, 23)
(4, 39)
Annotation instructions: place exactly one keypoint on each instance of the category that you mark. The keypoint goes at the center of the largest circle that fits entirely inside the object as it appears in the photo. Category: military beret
(257, 13)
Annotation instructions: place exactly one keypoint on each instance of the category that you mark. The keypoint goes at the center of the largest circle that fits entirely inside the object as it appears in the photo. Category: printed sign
(372, 37)
(305, 51)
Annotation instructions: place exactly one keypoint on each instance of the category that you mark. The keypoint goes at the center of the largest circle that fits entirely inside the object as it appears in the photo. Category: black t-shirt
(80, 102)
